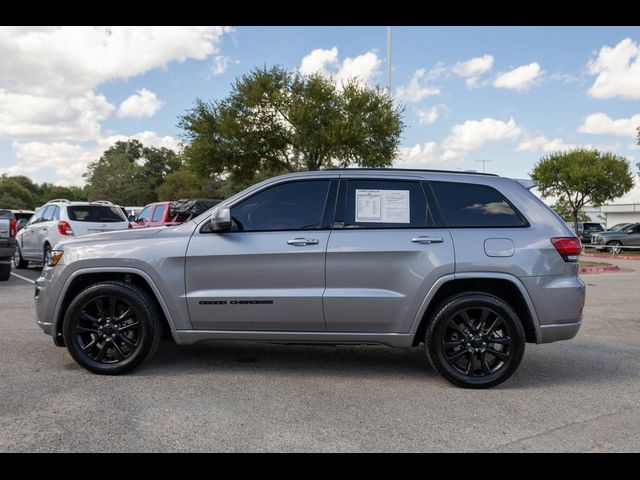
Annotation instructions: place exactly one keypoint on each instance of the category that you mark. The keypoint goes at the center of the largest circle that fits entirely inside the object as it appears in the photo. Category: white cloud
(220, 64)
(143, 103)
(520, 79)
(365, 67)
(414, 91)
(472, 69)
(429, 116)
(318, 61)
(30, 116)
(49, 74)
(68, 161)
(72, 60)
(542, 143)
(147, 138)
(601, 123)
(475, 134)
(428, 152)
(617, 70)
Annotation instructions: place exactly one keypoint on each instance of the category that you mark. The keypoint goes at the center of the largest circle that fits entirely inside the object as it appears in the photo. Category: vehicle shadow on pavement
(343, 360)
(582, 363)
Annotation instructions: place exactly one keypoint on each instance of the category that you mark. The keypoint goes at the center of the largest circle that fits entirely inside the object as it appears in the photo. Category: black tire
(84, 326)
(5, 269)
(19, 262)
(473, 358)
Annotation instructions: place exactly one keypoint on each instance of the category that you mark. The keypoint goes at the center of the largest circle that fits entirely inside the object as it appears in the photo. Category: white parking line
(23, 278)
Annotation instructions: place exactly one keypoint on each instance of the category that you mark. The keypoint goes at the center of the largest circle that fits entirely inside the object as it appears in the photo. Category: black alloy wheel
(475, 340)
(111, 327)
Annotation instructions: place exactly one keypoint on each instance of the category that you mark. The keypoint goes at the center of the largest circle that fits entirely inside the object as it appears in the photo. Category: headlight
(55, 257)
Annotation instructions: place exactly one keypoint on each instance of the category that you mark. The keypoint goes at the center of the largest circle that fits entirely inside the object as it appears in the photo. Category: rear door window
(471, 205)
(382, 204)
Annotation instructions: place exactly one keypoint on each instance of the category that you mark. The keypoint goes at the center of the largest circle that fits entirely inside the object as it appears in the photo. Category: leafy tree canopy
(583, 176)
(276, 121)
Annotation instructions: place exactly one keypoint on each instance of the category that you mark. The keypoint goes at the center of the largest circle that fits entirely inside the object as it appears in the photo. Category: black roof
(459, 172)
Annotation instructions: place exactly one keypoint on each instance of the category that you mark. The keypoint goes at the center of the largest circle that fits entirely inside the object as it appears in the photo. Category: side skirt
(189, 337)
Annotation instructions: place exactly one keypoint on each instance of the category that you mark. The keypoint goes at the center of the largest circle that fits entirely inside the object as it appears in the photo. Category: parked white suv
(60, 220)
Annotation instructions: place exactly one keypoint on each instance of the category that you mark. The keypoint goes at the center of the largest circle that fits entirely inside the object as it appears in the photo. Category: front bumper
(45, 302)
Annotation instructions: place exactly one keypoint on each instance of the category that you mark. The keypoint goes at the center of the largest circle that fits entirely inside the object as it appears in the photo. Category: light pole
(389, 60)
(483, 162)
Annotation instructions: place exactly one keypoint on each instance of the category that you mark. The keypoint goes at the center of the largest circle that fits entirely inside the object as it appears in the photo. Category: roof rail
(382, 169)
(59, 200)
(102, 202)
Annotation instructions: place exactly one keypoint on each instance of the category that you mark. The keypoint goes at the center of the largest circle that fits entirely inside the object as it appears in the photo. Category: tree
(582, 176)
(563, 208)
(276, 121)
(180, 184)
(128, 173)
(13, 194)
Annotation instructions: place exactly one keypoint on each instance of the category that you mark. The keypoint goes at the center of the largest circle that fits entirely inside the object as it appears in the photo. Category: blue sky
(505, 94)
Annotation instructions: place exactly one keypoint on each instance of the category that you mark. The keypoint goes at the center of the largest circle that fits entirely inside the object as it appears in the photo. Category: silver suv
(472, 266)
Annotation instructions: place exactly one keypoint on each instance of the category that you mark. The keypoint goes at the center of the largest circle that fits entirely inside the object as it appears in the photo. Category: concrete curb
(609, 268)
(608, 255)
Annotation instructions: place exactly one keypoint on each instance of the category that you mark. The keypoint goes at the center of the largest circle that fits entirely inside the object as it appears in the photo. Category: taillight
(12, 228)
(568, 247)
(64, 228)
(130, 225)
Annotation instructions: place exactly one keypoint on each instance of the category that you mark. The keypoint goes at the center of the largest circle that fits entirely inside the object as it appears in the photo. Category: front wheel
(18, 261)
(475, 340)
(615, 247)
(111, 327)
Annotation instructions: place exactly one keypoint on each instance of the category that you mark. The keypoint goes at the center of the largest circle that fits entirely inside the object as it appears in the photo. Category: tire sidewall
(18, 261)
(145, 314)
(438, 324)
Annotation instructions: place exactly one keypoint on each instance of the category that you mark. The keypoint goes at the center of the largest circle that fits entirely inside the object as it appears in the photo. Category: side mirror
(21, 224)
(220, 220)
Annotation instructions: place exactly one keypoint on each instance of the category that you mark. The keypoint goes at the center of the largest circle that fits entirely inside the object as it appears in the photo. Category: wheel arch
(504, 286)
(81, 279)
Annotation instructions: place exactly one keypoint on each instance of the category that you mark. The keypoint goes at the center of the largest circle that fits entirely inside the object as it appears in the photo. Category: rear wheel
(615, 247)
(111, 327)
(475, 340)
(5, 269)
(18, 261)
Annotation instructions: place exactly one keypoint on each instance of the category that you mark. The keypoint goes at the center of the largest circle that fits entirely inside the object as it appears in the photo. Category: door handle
(427, 240)
(300, 242)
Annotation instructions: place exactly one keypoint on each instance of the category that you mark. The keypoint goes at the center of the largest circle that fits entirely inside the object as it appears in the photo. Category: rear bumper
(558, 301)
(7, 248)
(557, 332)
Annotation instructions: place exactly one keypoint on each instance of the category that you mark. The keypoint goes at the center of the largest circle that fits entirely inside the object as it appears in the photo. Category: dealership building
(611, 215)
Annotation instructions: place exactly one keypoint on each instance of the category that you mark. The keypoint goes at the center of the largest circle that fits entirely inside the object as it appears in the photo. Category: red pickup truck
(171, 213)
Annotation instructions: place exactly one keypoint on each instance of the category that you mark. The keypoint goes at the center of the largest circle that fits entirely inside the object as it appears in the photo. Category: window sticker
(382, 206)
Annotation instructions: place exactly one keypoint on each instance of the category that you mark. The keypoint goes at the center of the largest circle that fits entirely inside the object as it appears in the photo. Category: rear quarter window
(472, 205)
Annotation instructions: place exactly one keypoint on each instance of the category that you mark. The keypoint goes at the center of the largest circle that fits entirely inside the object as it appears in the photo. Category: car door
(268, 272)
(28, 235)
(43, 234)
(633, 237)
(143, 218)
(386, 250)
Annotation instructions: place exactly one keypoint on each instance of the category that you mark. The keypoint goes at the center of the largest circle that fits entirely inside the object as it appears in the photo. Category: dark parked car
(617, 227)
(615, 242)
(586, 229)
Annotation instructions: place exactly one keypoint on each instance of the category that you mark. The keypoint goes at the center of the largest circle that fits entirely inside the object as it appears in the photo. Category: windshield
(95, 213)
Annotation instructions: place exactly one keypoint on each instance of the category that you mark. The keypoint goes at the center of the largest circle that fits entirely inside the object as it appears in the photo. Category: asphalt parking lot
(580, 395)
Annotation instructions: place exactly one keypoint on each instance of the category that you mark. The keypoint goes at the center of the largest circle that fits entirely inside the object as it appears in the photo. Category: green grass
(593, 264)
